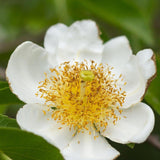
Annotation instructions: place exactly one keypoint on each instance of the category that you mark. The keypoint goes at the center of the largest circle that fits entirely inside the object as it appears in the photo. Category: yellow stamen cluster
(80, 104)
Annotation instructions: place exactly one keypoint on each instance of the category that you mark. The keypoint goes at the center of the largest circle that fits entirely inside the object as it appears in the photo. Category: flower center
(83, 96)
(86, 75)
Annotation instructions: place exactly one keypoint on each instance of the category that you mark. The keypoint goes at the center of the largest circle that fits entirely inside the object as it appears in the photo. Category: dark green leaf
(131, 145)
(3, 108)
(3, 84)
(152, 96)
(7, 97)
(3, 156)
(21, 145)
(8, 122)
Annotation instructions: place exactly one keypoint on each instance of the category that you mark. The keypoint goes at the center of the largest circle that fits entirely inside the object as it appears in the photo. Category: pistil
(85, 76)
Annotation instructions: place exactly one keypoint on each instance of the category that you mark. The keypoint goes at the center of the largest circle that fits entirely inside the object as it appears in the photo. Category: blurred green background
(139, 20)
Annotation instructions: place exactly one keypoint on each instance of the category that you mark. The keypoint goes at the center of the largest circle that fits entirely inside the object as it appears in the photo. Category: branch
(154, 140)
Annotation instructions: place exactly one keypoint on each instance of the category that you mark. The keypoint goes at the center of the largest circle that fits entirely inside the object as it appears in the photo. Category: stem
(154, 140)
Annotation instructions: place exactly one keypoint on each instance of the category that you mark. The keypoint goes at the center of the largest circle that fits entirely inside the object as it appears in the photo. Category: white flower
(79, 90)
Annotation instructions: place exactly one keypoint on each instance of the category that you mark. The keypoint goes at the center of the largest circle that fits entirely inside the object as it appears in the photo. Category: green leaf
(3, 84)
(22, 145)
(6, 96)
(131, 145)
(8, 122)
(3, 108)
(3, 156)
(152, 96)
(120, 14)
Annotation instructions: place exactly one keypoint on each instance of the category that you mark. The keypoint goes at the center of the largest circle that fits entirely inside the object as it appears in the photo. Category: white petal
(32, 118)
(26, 69)
(85, 147)
(135, 127)
(136, 84)
(79, 41)
(53, 34)
(147, 63)
(58, 137)
(137, 70)
(116, 51)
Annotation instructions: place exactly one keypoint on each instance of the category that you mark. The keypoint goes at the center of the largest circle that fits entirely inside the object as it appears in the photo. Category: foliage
(131, 145)
(8, 122)
(7, 97)
(20, 145)
(29, 19)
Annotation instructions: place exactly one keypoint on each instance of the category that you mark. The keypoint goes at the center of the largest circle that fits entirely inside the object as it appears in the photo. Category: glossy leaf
(21, 145)
(3, 156)
(6, 96)
(8, 122)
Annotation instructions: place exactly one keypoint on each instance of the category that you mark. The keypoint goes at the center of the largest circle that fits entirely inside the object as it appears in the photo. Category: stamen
(83, 97)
